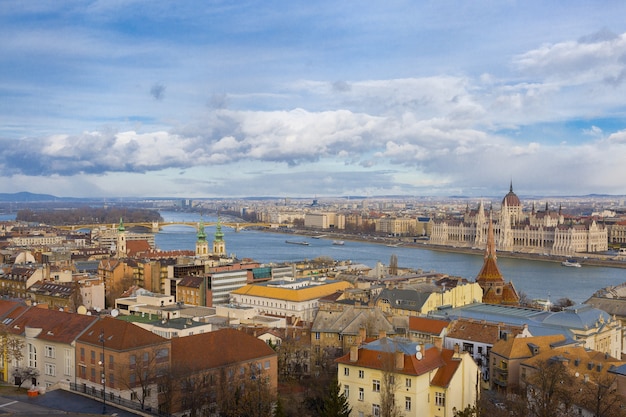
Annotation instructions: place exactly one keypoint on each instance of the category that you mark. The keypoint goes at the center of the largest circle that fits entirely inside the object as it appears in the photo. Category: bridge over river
(155, 227)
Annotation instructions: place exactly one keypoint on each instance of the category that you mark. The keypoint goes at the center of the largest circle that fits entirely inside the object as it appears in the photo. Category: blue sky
(120, 98)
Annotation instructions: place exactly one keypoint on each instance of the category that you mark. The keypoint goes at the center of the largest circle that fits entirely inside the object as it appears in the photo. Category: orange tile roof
(375, 359)
(518, 347)
(480, 331)
(426, 325)
(217, 349)
(310, 292)
(445, 373)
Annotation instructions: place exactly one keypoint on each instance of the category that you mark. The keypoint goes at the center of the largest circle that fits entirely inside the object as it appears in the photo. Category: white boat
(572, 263)
(338, 242)
(292, 242)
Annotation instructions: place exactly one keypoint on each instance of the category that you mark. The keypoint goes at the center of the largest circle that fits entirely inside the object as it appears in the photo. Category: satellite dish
(81, 310)
(418, 348)
(115, 312)
(418, 356)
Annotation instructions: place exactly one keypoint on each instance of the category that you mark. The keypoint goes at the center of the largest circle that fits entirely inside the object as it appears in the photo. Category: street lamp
(104, 387)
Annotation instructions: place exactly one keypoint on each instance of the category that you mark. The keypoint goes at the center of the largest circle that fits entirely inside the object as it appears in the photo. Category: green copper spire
(219, 235)
(121, 228)
(201, 233)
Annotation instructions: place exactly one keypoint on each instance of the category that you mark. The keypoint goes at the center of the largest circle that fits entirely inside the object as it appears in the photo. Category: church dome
(511, 199)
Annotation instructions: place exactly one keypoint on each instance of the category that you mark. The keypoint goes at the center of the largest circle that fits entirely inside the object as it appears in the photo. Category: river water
(535, 278)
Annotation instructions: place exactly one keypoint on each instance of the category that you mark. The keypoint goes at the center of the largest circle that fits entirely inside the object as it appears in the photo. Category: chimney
(399, 360)
(438, 342)
(457, 351)
(354, 353)
(382, 334)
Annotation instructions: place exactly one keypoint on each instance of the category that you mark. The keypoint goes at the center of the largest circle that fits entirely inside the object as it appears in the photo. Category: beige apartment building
(327, 220)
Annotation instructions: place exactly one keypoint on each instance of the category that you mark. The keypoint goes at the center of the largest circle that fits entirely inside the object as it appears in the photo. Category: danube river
(535, 278)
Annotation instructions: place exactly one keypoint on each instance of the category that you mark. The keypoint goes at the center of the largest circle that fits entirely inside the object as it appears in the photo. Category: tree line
(88, 215)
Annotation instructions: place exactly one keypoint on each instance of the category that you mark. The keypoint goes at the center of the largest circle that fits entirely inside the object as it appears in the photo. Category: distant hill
(25, 196)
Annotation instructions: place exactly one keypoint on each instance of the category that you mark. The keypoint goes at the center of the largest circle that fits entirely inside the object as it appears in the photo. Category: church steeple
(219, 246)
(202, 246)
(121, 251)
(495, 289)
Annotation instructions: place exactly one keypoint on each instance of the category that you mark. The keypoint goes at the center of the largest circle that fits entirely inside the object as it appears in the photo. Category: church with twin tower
(202, 244)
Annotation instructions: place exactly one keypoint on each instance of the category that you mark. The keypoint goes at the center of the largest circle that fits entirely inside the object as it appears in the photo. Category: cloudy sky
(119, 98)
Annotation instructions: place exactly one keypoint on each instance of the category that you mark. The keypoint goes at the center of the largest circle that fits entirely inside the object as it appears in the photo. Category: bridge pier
(155, 227)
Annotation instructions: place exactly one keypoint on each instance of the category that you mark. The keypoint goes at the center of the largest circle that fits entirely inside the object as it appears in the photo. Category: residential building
(418, 379)
(339, 330)
(478, 337)
(219, 362)
(120, 360)
(48, 338)
(593, 328)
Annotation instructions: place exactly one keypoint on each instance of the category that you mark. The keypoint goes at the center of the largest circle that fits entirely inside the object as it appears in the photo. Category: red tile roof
(56, 326)
(120, 335)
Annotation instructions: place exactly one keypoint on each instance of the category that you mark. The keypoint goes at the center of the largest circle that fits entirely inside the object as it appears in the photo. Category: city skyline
(298, 99)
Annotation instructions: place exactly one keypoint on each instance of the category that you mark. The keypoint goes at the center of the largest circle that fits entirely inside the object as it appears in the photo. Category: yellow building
(419, 302)
(412, 378)
(298, 298)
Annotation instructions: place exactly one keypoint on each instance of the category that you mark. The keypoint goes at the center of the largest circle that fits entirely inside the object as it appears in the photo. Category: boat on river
(571, 263)
(338, 242)
(298, 242)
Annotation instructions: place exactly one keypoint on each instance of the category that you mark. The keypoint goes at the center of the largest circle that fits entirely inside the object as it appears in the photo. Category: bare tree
(549, 389)
(245, 391)
(389, 383)
(601, 397)
(144, 373)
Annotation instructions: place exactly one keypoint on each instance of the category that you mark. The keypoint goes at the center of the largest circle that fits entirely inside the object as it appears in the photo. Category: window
(346, 391)
(361, 373)
(376, 385)
(346, 371)
(82, 354)
(50, 369)
(93, 356)
(32, 356)
(132, 361)
(361, 394)
(317, 335)
(440, 399)
(407, 403)
(267, 364)
(68, 365)
(407, 383)
(111, 362)
(468, 347)
(162, 355)
(49, 351)
(375, 410)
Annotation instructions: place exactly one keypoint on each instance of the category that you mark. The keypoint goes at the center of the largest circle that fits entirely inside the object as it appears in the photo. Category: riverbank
(589, 259)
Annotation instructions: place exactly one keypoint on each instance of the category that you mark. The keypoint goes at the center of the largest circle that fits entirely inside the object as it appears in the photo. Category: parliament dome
(511, 199)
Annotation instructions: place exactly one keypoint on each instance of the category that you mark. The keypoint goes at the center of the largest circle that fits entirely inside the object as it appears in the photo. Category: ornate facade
(515, 230)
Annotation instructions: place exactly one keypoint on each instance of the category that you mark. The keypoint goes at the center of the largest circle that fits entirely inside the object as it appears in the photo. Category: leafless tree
(601, 398)
(549, 390)
(142, 376)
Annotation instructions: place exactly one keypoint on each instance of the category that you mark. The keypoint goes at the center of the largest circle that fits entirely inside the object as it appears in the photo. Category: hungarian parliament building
(544, 232)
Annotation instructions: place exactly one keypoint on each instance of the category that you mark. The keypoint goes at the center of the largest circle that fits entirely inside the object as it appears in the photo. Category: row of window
(407, 381)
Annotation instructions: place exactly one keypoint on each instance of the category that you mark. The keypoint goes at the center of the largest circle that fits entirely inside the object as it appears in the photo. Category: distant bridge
(154, 227)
